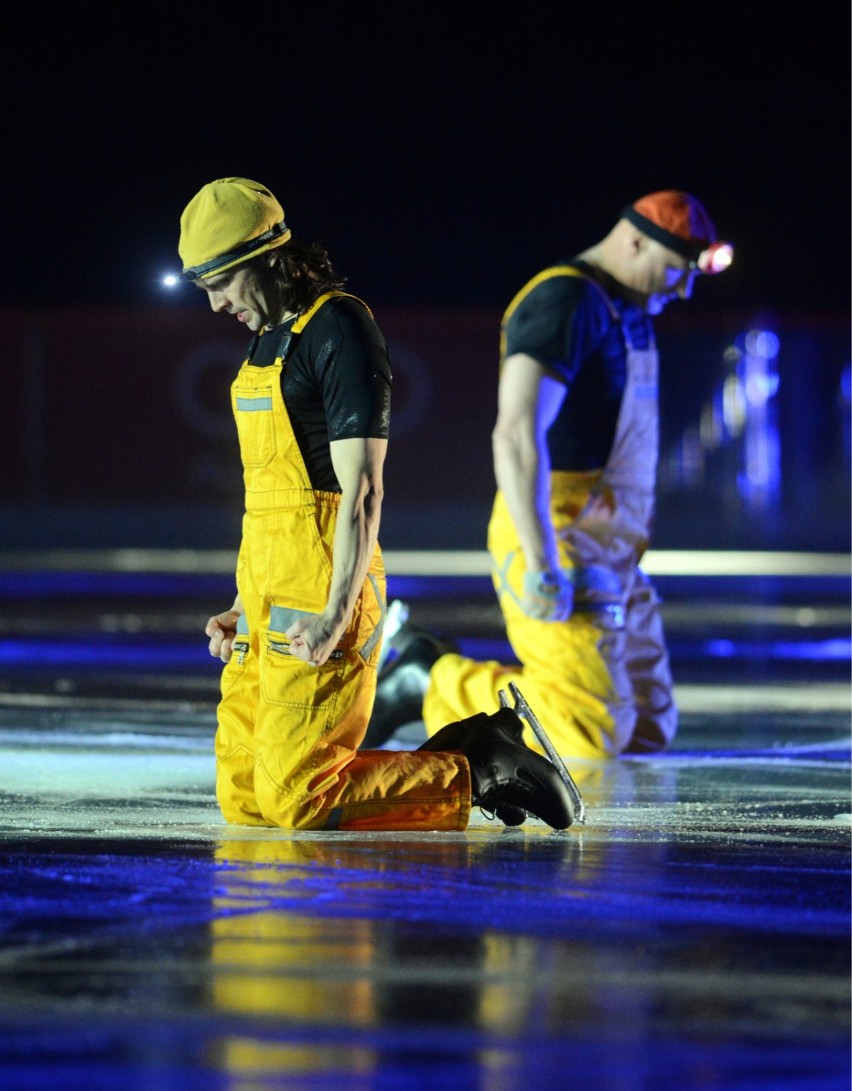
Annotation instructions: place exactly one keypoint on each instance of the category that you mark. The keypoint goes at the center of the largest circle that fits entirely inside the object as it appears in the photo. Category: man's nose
(217, 301)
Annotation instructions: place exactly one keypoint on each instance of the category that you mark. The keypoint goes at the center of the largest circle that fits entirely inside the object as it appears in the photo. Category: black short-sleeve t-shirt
(336, 381)
(567, 323)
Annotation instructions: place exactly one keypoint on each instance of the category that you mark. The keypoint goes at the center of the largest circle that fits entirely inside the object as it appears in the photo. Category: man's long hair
(303, 272)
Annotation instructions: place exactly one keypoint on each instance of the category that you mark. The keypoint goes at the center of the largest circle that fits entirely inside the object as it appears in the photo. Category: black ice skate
(509, 779)
(408, 655)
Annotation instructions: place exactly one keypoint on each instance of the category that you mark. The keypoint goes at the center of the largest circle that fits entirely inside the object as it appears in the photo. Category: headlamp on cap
(715, 259)
(239, 253)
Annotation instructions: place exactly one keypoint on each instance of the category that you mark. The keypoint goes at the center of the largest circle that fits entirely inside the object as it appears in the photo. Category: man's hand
(312, 639)
(548, 595)
(222, 629)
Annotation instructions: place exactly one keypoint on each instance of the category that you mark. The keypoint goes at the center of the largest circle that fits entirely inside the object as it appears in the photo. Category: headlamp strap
(686, 249)
(234, 255)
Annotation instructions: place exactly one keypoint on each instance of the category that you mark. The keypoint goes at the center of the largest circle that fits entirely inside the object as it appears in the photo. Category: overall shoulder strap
(545, 274)
(558, 271)
(291, 336)
(548, 274)
(305, 318)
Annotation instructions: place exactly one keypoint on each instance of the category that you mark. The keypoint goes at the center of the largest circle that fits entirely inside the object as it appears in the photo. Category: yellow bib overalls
(288, 733)
(599, 682)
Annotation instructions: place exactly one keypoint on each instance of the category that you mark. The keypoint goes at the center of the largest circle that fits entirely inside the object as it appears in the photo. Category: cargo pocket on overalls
(287, 680)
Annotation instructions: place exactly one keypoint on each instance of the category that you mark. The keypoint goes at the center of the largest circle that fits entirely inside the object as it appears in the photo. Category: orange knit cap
(676, 219)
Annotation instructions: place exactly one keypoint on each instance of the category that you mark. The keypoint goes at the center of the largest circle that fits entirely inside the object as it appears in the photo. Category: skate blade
(526, 713)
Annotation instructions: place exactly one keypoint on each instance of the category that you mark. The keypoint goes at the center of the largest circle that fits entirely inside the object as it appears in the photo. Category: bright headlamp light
(715, 259)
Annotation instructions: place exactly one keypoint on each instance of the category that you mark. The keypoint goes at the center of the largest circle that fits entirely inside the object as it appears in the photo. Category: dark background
(443, 154)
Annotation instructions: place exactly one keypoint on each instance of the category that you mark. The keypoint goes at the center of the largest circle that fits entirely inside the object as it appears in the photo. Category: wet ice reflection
(698, 924)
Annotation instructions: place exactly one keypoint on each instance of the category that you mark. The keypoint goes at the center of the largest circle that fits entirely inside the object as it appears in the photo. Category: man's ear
(638, 243)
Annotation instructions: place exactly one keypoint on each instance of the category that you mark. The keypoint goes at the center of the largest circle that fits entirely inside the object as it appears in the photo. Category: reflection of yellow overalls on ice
(288, 731)
(599, 681)
(324, 949)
